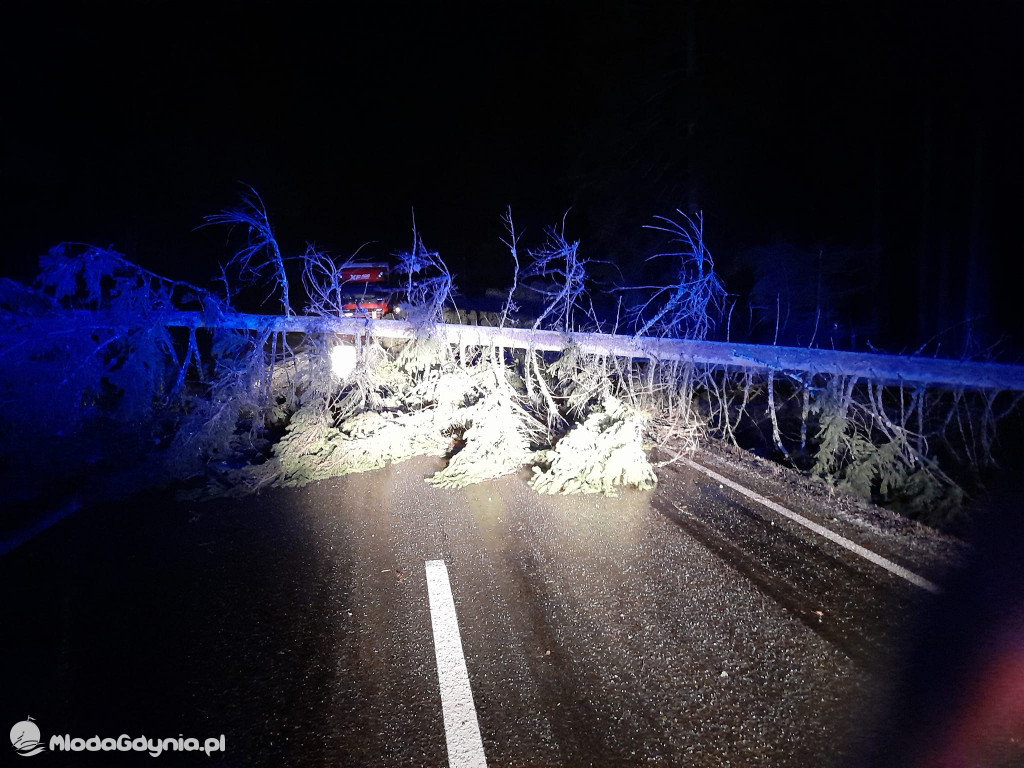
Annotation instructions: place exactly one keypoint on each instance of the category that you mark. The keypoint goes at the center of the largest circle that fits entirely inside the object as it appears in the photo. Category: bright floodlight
(343, 360)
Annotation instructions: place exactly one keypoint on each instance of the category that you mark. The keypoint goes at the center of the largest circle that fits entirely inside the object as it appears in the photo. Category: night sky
(883, 138)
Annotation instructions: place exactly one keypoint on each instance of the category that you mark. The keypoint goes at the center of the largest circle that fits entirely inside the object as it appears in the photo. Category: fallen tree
(888, 369)
(252, 400)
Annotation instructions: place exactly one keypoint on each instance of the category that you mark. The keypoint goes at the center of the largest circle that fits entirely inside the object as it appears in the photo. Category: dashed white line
(821, 530)
(461, 728)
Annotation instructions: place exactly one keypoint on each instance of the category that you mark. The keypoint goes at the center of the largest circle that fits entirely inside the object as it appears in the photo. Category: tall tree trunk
(976, 292)
(692, 171)
(945, 302)
(877, 254)
(925, 263)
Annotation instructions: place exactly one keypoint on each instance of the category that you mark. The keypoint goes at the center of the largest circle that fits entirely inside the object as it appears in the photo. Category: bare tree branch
(260, 259)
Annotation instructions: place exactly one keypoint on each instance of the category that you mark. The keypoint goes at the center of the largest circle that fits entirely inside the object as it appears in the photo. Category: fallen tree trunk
(879, 368)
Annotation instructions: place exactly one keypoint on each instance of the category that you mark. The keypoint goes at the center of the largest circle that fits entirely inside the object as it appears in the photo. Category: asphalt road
(683, 626)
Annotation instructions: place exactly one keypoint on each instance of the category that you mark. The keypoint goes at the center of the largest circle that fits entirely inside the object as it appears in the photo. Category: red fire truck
(367, 291)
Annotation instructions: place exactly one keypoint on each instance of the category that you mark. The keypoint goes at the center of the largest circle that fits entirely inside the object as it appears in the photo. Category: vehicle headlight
(343, 361)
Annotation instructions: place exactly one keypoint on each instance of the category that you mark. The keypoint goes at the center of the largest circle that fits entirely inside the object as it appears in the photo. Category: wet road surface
(682, 626)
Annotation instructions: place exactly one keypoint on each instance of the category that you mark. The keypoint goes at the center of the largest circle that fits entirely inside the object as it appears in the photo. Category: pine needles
(600, 455)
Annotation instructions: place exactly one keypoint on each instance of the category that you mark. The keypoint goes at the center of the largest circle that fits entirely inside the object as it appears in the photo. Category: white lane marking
(461, 729)
(842, 541)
